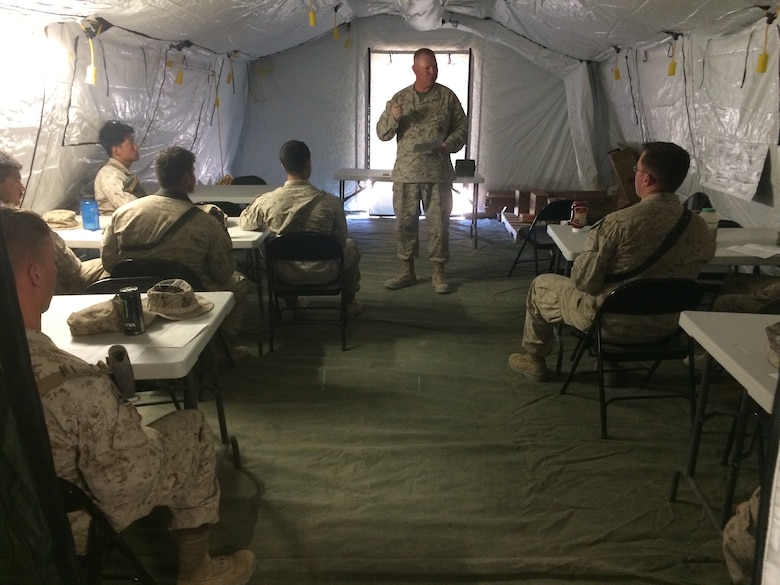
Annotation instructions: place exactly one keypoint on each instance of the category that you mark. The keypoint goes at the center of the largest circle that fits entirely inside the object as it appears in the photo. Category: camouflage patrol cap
(174, 299)
(100, 318)
(61, 219)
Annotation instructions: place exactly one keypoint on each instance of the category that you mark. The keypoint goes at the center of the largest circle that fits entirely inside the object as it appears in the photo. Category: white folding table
(570, 243)
(249, 241)
(738, 342)
(386, 176)
(241, 194)
(167, 350)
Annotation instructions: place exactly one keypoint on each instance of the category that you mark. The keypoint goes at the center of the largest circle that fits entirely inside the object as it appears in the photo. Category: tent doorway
(389, 72)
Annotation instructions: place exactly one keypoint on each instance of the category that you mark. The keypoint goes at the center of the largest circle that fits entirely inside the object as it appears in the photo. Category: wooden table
(386, 176)
(738, 342)
(153, 354)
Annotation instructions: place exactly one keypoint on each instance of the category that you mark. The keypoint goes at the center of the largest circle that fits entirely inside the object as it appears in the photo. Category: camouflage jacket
(97, 440)
(624, 240)
(299, 206)
(433, 115)
(115, 185)
(73, 275)
(202, 243)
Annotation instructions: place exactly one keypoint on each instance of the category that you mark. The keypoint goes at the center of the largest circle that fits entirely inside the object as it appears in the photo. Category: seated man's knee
(239, 286)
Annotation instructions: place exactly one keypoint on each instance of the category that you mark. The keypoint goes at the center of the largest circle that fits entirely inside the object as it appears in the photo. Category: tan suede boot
(196, 567)
(439, 280)
(404, 278)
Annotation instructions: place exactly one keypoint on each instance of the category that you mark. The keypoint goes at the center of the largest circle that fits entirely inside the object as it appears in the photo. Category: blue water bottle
(90, 218)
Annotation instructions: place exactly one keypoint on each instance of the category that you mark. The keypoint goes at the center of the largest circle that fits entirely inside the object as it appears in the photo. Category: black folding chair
(103, 539)
(297, 247)
(642, 297)
(536, 233)
(111, 284)
(248, 180)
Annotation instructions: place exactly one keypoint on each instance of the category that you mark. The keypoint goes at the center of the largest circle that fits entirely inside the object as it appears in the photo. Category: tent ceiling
(584, 29)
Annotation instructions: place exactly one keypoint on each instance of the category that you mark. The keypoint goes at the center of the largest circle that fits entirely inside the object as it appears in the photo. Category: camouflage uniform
(73, 275)
(621, 242)
(739, 540)
(99, 443)
(747, 293)
(202, 244)
(423, 176)
(115, 185)
(299, 206)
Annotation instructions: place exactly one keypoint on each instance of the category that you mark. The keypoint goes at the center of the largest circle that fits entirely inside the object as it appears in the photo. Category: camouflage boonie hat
(100, 318)
(174, 299)
(61, 219)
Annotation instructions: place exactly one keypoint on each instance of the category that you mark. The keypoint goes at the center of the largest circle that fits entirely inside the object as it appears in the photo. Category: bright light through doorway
(391, 72)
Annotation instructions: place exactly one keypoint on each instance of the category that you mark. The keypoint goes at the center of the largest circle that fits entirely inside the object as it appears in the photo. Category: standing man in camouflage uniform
(73, 275)
(97, 439)
(619, 243)
(423, 113)
(298, 206)
(115, 185)
(140, 229)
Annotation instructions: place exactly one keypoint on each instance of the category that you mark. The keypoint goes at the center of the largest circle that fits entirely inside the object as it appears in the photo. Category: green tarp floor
(417, 456)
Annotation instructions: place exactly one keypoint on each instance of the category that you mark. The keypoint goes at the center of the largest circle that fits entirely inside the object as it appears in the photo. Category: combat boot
(439, 280)
(404, 278)
(197, 567)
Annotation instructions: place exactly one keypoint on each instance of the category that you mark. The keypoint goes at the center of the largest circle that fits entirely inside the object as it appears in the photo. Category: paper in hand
(429, 146)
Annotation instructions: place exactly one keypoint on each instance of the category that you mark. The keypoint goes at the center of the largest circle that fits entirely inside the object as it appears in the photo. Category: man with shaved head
(424, 112)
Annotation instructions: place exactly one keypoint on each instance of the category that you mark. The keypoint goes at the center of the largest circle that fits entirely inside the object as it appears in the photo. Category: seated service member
(97, 439)
(73, 275)
(299, 206)
(618, 244)
(148, 228)
(115, 185)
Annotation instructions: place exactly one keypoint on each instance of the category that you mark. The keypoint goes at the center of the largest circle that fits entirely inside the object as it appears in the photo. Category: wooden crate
(623, 160)
(497, 201)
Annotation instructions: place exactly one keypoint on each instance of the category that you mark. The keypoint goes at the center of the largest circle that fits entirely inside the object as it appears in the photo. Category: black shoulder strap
(668, 242)
(168, 233)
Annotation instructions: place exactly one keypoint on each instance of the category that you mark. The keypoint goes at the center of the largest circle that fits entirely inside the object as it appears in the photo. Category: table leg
(743, 415)
(261, 305)
(342, 192)
(191, 390)
(474, 207)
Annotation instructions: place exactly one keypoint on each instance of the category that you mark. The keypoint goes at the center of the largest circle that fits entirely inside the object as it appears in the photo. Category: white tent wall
(717, 106)
(51, 124)
(520, 131)
(533, 119)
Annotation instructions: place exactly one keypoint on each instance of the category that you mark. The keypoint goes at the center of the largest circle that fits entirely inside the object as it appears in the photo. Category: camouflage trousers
(747, 293)
(739, 540)
(436, 200)
(553, 298)
(239, 286)
(189, 485)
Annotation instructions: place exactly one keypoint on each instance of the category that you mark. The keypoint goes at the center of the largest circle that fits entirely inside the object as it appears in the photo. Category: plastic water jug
(90, 218)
